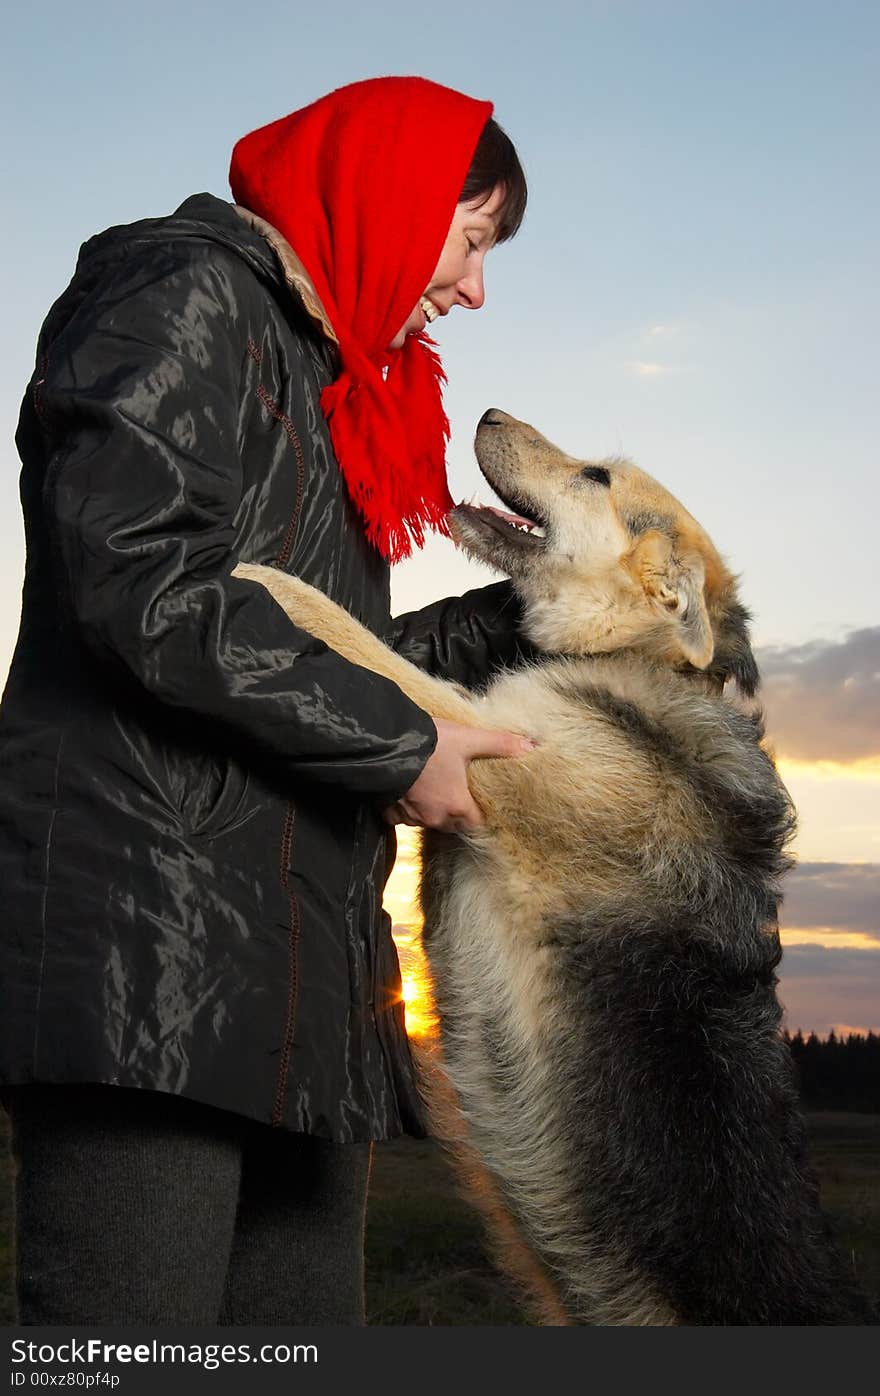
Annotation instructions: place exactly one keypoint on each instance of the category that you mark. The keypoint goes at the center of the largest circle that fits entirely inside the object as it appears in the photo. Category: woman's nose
(471, 290)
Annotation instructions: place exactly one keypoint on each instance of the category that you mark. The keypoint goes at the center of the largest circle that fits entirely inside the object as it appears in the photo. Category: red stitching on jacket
(274, 410)
(292, 967)
(255, 351)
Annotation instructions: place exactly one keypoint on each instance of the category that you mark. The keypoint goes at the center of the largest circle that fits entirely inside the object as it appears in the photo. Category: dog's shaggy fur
(603, 951)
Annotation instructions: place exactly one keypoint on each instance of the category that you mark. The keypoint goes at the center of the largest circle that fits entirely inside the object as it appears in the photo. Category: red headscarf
(363, 184)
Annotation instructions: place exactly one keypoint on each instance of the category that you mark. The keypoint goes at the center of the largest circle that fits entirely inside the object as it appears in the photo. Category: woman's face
(458, 276)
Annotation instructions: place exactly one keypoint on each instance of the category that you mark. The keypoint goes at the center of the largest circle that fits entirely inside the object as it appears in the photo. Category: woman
(194, 793)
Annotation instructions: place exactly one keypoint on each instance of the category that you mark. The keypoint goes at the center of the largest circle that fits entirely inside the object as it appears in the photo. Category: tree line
(837, 1073)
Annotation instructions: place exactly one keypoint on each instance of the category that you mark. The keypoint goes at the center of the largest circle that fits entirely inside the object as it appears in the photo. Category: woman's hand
(440, 798)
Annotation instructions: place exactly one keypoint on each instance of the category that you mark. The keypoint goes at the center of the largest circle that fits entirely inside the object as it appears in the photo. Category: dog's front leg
(311, 610)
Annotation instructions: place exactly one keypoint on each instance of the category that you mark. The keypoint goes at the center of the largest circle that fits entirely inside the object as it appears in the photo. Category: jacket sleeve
(140, 398)
(464, 638)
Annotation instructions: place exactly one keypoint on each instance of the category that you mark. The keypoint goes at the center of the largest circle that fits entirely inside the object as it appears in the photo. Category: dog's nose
(492, 417)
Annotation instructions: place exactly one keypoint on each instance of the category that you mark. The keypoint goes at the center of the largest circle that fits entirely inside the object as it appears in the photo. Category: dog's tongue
(508, 518)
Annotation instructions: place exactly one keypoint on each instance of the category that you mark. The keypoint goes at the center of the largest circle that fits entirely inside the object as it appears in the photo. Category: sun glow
(866, 768)
(829, 936)
(410, 991)
(838, 809)
(401, 903)
(421, 1021)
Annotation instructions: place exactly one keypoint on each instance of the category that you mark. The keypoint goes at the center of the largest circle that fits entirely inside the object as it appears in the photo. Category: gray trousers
(135, 1207)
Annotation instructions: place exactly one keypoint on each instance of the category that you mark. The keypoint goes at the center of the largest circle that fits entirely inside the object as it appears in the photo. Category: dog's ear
(733, 657)
(675, 586)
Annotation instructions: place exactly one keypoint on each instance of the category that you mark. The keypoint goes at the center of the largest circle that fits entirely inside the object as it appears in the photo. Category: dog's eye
(598, 473)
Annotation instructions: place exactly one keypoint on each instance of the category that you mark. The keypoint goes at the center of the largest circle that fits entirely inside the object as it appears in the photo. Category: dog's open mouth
(516, 528)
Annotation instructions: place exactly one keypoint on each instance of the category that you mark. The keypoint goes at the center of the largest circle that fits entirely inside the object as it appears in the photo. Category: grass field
(425, 1258)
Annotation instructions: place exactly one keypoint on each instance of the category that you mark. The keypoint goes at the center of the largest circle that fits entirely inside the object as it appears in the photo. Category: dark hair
(496, 162)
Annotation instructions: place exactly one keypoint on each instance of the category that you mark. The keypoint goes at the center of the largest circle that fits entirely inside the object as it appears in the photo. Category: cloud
(647, 370)
(821, 989)
(656, 350)
(822, 699)
(661, 331)
(838, 897)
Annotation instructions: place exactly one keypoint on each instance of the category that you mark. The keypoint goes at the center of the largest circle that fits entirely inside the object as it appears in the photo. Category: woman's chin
(414, 325)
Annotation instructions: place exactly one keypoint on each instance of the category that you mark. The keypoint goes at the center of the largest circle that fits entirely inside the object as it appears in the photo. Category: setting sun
(401, 903)
(420, 1018)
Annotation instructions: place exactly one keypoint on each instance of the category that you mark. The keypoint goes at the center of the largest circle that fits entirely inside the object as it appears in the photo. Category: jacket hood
(207, 218)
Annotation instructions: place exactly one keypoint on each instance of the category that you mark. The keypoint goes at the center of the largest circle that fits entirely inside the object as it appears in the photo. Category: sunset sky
(695, 286)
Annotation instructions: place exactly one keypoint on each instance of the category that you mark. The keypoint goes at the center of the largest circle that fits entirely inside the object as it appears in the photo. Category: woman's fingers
(441, 798)
(480, 743)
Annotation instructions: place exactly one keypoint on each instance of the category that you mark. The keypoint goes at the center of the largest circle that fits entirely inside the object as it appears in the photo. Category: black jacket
(191, 854)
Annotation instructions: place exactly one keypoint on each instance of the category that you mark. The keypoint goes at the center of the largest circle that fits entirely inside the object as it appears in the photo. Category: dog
(611, 1073)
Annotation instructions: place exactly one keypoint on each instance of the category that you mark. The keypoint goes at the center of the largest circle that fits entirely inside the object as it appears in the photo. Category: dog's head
(603, 557)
